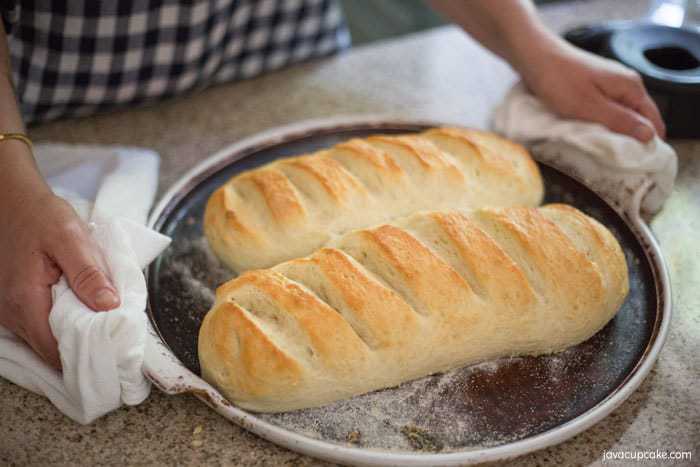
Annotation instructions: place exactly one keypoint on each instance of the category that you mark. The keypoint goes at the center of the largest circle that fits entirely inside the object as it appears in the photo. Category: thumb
(81, 261)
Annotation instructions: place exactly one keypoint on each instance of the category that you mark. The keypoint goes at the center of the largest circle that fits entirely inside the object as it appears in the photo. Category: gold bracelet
(17, 136)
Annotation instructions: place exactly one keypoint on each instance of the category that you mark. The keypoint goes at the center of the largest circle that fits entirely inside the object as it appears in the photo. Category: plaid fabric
(76, 57)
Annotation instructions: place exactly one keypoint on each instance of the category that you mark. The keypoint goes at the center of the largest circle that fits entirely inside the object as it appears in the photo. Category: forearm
(509, 28)
(19, 176)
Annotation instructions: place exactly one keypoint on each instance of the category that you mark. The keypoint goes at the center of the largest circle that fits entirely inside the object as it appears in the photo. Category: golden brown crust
(291, 207)
(498, 158)
(220, 202)
(378, 314)
(221, 216)
(486, 261)
(420, 149)
(427, 293)
(280, 196)
(365, 151)
(595, 241)
(481, 152)
(331, 176)
(258, 364)
(430, 282)
(310, 322)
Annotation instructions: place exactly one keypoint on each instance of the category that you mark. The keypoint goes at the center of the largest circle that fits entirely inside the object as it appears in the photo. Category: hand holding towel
(613, 164)
(101, 353)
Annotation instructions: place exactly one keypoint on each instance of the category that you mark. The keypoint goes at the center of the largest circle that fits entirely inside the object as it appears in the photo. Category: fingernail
(105, 299)
(643, 133)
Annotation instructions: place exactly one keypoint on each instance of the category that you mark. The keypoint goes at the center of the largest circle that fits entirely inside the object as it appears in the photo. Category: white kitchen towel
(101, 353)
(614, 165)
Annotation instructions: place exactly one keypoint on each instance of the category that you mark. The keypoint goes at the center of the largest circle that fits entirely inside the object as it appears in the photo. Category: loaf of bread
(424, 294)
(291, 207)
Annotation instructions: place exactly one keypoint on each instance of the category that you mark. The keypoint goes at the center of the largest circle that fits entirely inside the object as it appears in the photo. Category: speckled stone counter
(441, 75)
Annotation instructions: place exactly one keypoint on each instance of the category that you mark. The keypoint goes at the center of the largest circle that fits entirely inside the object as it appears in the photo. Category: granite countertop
(442, 75)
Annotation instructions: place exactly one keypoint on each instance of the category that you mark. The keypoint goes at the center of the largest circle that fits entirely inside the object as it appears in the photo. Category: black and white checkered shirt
(76, 57)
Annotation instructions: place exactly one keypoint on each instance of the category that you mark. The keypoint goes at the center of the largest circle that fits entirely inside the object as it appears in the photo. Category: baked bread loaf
(291, 207)
(427, 293)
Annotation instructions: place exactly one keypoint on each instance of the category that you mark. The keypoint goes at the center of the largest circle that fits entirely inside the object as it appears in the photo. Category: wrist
(20, 180)
(533, 59)
(10, 116)
(24, 208)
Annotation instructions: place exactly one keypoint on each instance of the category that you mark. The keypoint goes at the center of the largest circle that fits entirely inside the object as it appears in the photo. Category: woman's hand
(573, 83)
(580, 85)
(42, 237)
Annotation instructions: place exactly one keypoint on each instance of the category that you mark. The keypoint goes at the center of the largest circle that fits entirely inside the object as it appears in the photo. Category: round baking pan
(495, 410)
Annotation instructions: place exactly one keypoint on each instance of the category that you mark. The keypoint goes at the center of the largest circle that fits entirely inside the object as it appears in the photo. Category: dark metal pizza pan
(489, 411)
